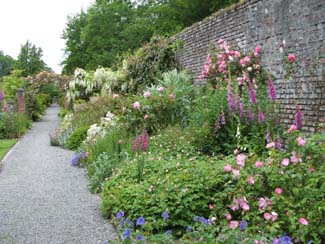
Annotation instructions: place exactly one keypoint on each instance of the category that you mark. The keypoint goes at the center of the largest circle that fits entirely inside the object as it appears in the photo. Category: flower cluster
(78, 158)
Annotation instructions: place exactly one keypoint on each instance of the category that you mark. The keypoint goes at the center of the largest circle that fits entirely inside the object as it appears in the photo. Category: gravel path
(45, 200)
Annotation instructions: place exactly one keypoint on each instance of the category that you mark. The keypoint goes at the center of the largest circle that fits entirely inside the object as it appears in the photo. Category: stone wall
(268, 23)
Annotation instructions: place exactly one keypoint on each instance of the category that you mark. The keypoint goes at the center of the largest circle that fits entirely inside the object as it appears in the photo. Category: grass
(5, 146)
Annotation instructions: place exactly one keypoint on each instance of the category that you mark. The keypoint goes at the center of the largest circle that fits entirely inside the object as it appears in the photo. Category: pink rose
(146, 117)
(291, 58)
(228, 216)
(115, 96)
(270, 145)
(233, 224)
(172, 96)
(285, 162)
(258, 49)
(245, 206)
(236, 151)
(263, 202)
(240, 158)
(211, 206)
(235, 173)
(278, 191)
(146, 94)
(160, 89)
(267, 216)
(259, 164)
(250, 180)
(136, 105)
(301, 142)
(237, 54)
(303, 221)
(274, 216)
(292, 128)
(227, 168)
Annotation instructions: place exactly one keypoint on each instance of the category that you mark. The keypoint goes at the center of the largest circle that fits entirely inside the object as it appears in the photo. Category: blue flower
(196, 218)
(141, 221)
(126, 233)
(242, 225)
(165, 215)
(139, 237)
(75, 160)
(189, 229)
(285, 240)
(168, 232)
(120, 214)
(202, 220)
(310, 242)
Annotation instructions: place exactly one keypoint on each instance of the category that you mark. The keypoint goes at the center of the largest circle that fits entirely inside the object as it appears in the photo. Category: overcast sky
(39, 21)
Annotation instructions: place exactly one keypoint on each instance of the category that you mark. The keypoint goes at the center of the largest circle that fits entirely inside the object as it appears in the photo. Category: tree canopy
(6, 64)
(110, 28)
(30, 59)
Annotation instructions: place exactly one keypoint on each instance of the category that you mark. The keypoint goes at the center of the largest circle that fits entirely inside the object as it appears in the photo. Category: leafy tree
(6, 64)
(30, 59)
(75, 48)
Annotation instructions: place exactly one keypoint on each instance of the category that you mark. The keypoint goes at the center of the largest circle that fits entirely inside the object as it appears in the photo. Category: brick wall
(267, 23)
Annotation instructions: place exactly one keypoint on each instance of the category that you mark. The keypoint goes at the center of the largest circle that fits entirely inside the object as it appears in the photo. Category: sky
(41, 22)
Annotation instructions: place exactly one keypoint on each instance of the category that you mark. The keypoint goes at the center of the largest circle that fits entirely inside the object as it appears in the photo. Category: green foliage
(36, 104)
(106, 155)
(6, 64)
(108, 29)
(149, 62)
(30, 59)
(5, 146)
(77, 137)
(12, 82)
(13, 125)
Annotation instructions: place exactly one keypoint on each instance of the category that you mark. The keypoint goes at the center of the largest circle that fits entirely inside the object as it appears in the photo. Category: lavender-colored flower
(165, 215)
(223, 119)
(141, 221)
(217, 125)
(252, 94)
(202, 220)
(272, 90)
(139, 237)
(242, 225)
(126, 233)
(168, 232)
(230, 97)
(75, 159)
(2, 95)
(268, 136)
(298, 118)
(189, 229)
(120, 214)
(260, 116)
(285, 240)
(196, 218)
(236, 103)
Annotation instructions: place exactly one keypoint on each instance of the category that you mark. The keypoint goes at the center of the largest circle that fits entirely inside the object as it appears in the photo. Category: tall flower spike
(252, 94)
(298, 118)
(272, 90)
(230, 97)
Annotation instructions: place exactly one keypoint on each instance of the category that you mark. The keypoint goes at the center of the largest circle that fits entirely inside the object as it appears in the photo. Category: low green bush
(77, 137)
(13, 125)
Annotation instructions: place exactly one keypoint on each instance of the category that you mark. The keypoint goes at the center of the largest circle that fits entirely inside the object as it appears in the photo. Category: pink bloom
(245, 206)
(274, 216)
(267, 216)
(291, 57)
(292, 128)
(136, 105)
(146, 117)
(228, 216)
(236, 151)
(250, 180)
(270, 145)
(294, 159)
(301, 142)
(237, 54)
(278, 191)
(240, 158)
(227, 168)
(263, 202)
(146, 94)
(258, 49)
(285, 162)
(233, 224)
(231, 58)
(259, 164)
(115, 96)
(211, 206)
(235, 173)
(303, 221)
(172, 96)
(160, 89)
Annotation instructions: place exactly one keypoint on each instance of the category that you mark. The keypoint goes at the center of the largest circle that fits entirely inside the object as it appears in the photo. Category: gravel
(45, 200)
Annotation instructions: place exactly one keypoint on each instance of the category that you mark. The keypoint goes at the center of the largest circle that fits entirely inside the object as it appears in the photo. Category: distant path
(44, 200)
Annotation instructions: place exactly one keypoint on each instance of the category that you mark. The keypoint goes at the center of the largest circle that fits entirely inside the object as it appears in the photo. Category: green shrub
(77, 137)
(13, 125)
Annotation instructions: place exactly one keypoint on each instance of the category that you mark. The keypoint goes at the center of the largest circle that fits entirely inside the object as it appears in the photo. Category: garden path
(45, 200)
